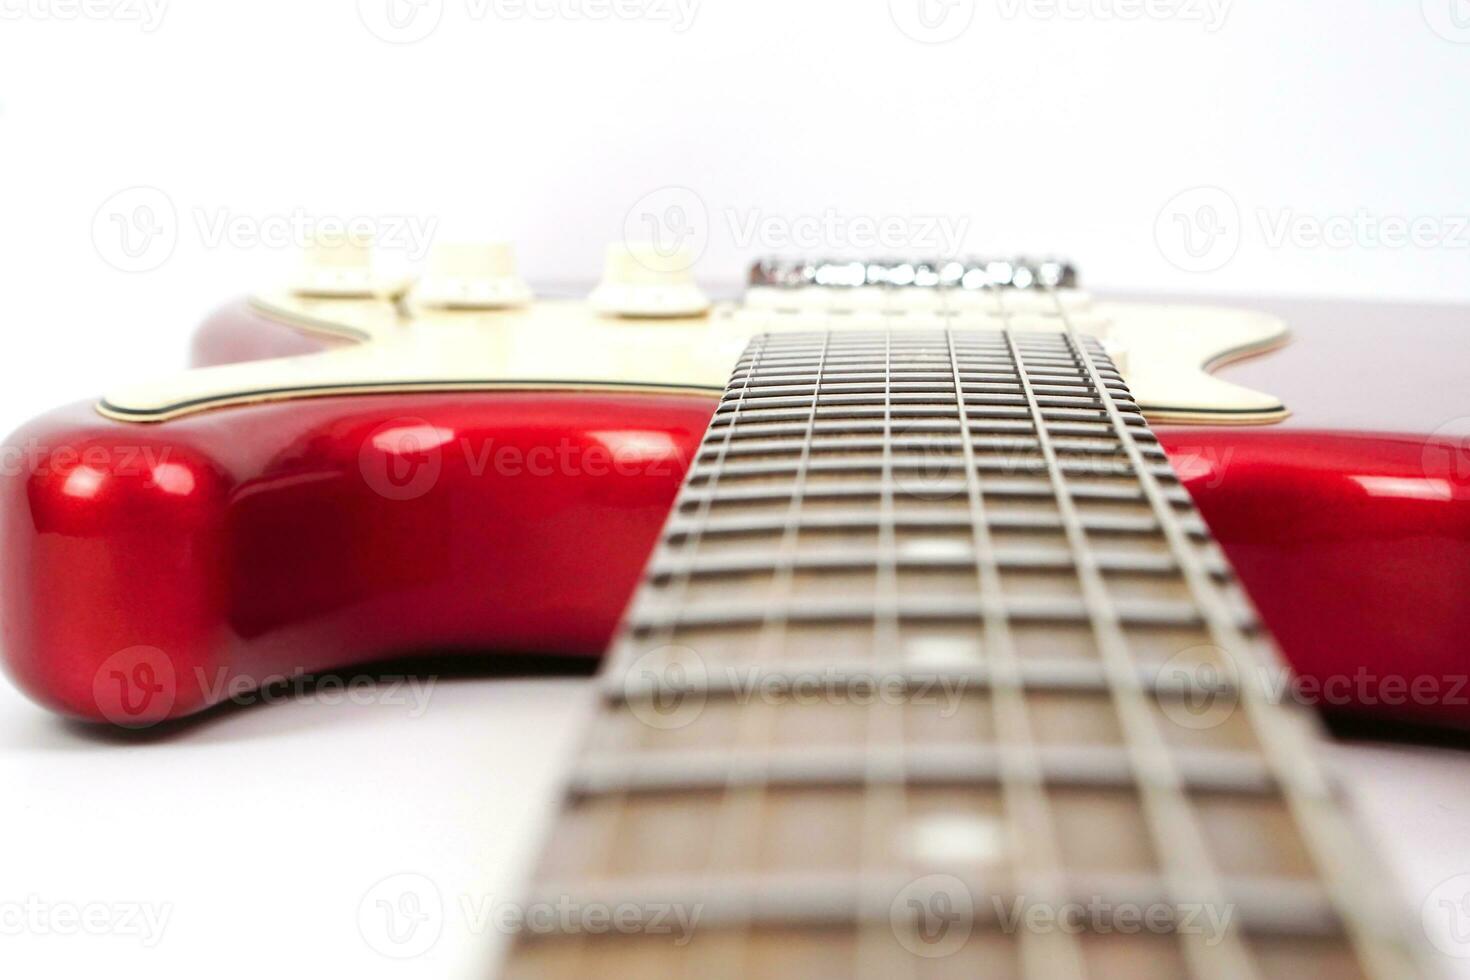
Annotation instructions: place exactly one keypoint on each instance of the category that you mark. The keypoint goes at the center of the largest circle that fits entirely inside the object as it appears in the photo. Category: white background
(1100, 135)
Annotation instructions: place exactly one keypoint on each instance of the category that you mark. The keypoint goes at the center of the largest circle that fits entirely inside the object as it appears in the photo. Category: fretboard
(936, 672)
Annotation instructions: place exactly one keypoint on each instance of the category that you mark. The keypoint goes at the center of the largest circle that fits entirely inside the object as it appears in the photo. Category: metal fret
(742, 807)
(990, 511)
(994, 487)
(860, 405)
(773, 391)
(856, 519)
(916, 382)
(757, 561)
(1289, 746)
(683, 771)
(1033, 675)
(1175, 831)
(577, 964)
(659, 615)
(1070, 467)
(1022, 772)
(885, 767)
(839, 426)
(1263, 906)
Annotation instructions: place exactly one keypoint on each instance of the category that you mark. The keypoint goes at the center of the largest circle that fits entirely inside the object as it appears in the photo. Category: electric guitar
(935, 668)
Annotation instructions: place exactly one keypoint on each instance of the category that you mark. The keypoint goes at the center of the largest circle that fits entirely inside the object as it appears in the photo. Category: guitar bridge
(972, 273)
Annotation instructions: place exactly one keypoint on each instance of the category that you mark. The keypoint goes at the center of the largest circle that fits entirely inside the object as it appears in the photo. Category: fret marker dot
(949, 837)
(942, 651)
(926, 548)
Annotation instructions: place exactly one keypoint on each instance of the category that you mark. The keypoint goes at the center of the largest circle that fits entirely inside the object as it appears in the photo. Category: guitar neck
(937, 672)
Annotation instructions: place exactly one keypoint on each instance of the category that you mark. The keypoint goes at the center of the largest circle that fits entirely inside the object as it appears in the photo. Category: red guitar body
(151, 570)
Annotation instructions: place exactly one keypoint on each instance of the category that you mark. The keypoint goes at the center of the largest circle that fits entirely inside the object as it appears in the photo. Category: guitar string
(663, 636)
(1025, 798)
(742, 806)
(890, 813)
(1179, 840)
(1285, 739)
(1204, 592)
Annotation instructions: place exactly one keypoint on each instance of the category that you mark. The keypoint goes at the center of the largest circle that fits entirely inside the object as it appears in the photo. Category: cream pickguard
(404, 344)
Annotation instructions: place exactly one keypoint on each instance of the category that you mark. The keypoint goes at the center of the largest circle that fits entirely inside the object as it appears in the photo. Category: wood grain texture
(936, 673)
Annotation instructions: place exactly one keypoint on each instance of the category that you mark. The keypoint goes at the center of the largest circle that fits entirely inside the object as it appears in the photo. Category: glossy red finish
(152, 570)
(1356, 550)
(291, 537)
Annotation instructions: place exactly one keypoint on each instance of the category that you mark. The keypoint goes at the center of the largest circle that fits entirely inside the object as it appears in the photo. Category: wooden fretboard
(933, 639)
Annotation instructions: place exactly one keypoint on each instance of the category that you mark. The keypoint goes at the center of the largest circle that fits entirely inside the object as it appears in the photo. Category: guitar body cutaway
(152, 569)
